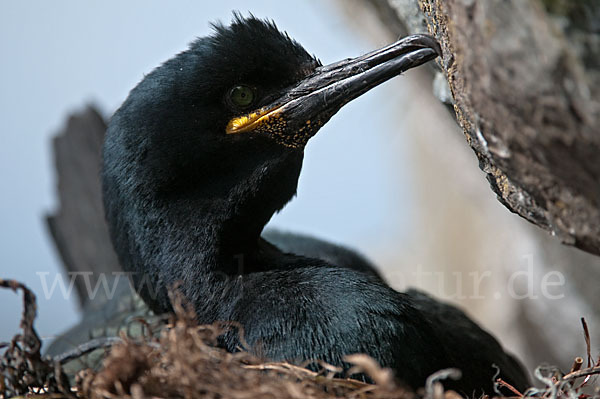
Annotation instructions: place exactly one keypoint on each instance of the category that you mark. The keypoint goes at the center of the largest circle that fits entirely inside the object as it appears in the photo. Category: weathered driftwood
(78, 227)
(524, 79)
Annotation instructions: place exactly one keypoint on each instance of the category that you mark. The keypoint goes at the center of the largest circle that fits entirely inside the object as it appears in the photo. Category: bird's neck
(200, 233)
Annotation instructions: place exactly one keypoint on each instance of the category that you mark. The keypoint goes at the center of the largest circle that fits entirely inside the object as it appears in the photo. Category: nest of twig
(183, 361)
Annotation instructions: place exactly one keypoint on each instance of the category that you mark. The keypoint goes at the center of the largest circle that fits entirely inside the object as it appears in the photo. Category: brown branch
(577, 363)
(588, 345)
(583, 373)
(505, 384)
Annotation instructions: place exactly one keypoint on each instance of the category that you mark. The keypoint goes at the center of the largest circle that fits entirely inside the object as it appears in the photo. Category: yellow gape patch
(249, 121)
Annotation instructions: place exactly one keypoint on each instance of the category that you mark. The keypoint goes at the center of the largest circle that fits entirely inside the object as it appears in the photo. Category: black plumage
(206, 149)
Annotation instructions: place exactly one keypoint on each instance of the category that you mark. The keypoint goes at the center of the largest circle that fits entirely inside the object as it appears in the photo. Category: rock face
(524, 79)
(78, 227)
(523, 99)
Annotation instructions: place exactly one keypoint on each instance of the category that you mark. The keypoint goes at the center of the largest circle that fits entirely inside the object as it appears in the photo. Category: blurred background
(389, 175)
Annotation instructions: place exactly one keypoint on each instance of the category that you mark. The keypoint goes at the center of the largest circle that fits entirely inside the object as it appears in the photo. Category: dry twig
(22, 367)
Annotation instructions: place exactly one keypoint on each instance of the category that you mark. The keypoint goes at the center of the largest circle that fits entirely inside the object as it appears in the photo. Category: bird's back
(467, 343)
(108, 316)
(311, 247)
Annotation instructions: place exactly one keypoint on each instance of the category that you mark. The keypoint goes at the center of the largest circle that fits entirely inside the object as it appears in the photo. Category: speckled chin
(293, 137)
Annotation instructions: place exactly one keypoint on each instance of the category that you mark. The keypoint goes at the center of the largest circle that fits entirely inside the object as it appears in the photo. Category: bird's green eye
(241, 96)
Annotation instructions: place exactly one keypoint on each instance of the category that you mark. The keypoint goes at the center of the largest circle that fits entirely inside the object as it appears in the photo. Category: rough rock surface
(524, 80)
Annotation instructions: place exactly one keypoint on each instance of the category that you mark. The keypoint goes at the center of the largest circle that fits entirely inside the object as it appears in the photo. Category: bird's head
(224, 123)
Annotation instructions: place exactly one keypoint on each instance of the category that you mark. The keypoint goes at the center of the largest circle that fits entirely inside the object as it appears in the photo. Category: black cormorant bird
(207, 148)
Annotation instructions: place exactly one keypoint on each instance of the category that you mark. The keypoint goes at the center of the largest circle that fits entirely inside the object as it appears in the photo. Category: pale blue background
(59, 55)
